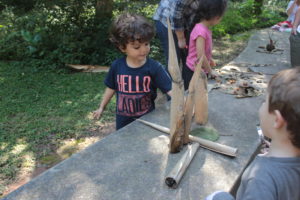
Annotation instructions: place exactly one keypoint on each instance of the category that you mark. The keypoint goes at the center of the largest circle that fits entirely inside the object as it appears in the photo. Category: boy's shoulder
(150, 62)
(153, 63)
(270, 166)
(119, 61)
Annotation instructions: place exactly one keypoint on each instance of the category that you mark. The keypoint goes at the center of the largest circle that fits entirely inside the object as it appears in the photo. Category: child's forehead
(137, 42)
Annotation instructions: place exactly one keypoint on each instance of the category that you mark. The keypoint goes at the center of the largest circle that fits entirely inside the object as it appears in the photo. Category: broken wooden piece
(174, 177)
(190, 101)
(176, 113)
(213, 146)
(201, 100)
(271, 45)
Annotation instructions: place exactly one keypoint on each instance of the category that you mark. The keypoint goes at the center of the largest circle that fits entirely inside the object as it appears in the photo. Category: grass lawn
(39, 110)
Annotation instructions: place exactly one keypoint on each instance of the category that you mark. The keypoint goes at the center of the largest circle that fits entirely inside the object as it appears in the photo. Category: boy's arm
(291, 8)
(170, 93)
(178, 21)
(296, 22)
(181, 39)
(108, 94)
(220, 195)
(258, 188)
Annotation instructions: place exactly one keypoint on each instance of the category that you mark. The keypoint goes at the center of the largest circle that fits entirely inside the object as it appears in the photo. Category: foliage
(54, 35)
(59, 32)
(240, 17)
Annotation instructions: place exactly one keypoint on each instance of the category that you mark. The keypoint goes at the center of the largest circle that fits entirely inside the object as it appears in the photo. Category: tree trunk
(257, 7)
(104, 9)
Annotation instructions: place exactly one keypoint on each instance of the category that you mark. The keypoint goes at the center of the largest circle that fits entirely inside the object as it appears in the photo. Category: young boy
(134, 78)
(276, 174)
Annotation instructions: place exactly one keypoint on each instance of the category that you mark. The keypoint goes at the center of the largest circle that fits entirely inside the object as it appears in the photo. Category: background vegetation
(41, 102)
(57, 32)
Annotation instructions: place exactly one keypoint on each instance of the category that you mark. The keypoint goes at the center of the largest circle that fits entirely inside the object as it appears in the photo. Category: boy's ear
(279, 120)
(122, 49)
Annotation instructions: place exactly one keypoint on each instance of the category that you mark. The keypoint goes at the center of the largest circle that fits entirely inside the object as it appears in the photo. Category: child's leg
(295, 50)
(187, 76)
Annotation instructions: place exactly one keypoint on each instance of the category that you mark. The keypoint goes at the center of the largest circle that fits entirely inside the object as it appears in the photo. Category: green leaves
(240, 17)
(207, 133)
(32, 39)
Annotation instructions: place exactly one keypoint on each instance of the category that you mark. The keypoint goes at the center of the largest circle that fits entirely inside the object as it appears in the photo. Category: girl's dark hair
(130, 27)
(208, 9)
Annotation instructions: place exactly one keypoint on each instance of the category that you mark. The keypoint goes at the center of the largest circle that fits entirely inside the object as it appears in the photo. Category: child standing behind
(209, 13)
(276, 174)
(295, 41)
(134, 78)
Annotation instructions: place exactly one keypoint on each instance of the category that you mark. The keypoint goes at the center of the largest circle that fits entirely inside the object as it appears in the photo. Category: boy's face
(266, 119)
(137, 51)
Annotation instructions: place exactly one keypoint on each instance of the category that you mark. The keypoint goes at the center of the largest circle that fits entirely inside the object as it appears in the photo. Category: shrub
(66, 32)
(240, 17)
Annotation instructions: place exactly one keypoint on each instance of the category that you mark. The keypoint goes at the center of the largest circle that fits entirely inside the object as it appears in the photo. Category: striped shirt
(180, 12)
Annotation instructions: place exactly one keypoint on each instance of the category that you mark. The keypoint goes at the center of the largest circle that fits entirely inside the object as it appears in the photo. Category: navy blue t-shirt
(136, 88)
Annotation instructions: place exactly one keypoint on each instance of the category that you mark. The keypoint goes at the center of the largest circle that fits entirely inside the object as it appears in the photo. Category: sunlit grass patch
(39, 110)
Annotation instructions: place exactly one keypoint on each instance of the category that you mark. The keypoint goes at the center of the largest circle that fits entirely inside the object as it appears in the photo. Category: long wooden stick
(177, 94)
(213, 146)
(174, 177)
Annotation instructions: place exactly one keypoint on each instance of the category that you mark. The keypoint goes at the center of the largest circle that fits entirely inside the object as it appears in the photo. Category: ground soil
(224, 51)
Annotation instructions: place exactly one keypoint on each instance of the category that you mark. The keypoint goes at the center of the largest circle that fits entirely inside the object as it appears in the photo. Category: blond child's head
(283, 100)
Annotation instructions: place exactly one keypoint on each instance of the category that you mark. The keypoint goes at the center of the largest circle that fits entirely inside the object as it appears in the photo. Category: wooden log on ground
(177, 102)
(213, 146)
(88, 68)
(174, 177)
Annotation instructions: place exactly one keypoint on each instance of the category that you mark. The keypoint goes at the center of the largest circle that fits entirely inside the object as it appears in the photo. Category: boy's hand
(98, 113)
(294, 30)
(212, 63)
(181, 43)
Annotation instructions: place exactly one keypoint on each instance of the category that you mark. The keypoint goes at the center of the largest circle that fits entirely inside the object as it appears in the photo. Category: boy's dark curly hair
(130, 27)
(284, 95)
(208, 9)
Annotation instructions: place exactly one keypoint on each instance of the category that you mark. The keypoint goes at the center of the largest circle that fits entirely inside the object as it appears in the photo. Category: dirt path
(225, 50)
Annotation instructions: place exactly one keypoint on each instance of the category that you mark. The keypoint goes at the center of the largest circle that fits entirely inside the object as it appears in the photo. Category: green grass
(39, 109)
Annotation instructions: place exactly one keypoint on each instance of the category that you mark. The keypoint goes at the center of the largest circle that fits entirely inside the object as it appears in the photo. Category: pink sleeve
(199, 31)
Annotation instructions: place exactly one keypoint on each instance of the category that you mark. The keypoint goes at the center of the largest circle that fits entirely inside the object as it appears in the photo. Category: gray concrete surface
(132, 163)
